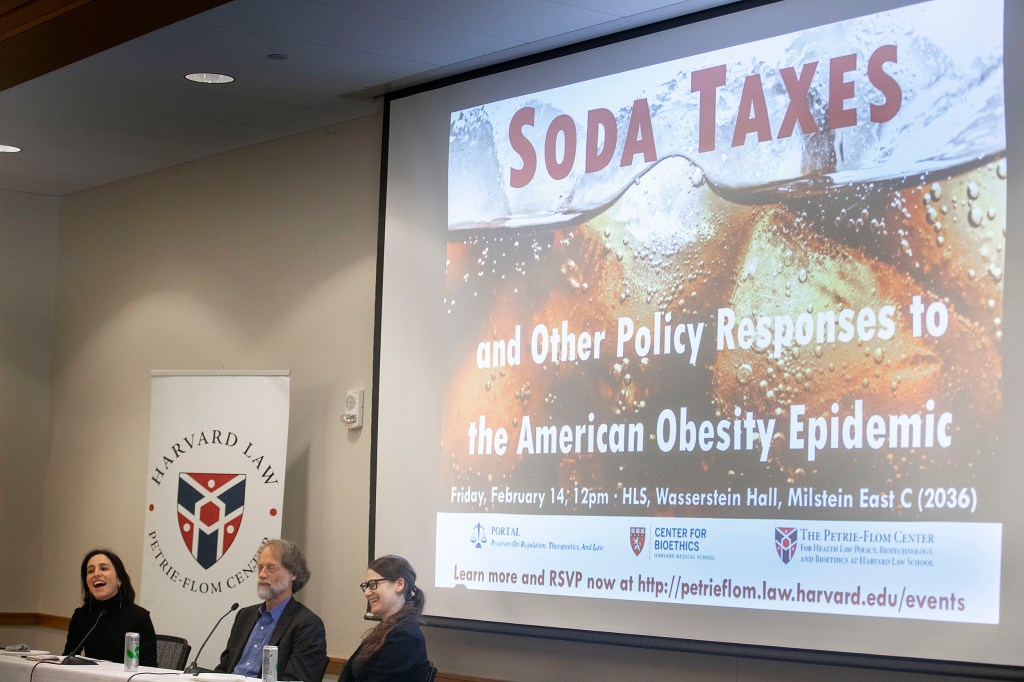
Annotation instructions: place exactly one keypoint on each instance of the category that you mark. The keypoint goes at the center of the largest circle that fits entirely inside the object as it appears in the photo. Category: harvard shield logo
(637, 535)
(210, 513)
(785, 543)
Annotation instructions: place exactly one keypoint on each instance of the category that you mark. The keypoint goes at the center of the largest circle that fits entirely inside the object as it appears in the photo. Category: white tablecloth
(17, 669)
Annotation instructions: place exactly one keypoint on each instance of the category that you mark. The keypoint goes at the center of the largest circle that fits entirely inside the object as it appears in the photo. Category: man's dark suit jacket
(299, 636)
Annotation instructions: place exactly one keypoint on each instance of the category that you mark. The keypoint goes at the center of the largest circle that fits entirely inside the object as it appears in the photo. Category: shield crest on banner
(785, 543)
(637, 536)
(210, 510)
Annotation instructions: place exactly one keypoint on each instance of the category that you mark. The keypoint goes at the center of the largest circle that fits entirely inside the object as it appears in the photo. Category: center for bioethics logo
(785, 543)
(637, 537)
(210, 508)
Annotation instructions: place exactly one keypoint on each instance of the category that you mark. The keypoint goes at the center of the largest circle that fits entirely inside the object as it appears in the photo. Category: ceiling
(121, 106)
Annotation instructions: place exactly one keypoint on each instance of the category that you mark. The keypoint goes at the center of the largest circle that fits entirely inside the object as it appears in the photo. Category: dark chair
(431, 672)
(172, 652)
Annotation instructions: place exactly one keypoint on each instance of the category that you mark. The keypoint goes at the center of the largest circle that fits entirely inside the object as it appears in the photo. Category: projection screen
(706, 334)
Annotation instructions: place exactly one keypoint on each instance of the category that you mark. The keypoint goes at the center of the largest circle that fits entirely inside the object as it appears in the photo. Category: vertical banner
(217, 448)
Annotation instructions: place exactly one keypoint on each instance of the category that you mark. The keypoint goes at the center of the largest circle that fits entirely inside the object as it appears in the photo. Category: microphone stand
(194, 669)
(73, 658)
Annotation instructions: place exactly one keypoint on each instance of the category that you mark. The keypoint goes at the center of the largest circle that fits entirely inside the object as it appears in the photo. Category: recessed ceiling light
(214, 78)
(9, 148)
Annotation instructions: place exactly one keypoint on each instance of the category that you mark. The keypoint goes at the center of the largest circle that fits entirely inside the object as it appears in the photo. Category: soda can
(131, 651)
(270, 663)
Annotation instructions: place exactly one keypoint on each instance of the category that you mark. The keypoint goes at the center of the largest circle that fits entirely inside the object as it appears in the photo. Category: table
(18, 669)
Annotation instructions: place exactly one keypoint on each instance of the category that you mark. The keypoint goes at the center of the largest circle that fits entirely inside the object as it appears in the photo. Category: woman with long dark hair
(394, 650)
(108, 611)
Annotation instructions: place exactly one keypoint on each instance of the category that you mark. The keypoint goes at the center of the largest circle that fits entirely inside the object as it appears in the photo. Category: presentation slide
(700, 335)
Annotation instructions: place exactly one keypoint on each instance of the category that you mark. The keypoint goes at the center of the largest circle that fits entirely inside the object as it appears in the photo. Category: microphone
(73, 658)
(194, 669)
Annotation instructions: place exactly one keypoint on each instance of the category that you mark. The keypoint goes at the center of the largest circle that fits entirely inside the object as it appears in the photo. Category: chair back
(172, 652)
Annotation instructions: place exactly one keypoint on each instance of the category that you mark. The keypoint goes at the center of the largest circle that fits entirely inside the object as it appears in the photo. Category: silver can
(270, 663)
(131, 651)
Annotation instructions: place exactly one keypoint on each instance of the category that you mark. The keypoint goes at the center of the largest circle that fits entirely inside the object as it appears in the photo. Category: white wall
(28, 266)
(258, 259)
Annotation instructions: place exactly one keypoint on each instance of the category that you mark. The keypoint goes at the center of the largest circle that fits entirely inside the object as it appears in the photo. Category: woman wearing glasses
(394, 650)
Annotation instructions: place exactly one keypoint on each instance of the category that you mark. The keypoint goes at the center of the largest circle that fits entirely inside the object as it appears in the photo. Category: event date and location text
(582, 498)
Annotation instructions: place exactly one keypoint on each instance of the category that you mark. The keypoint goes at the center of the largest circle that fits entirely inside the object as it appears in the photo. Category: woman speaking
(109, 610)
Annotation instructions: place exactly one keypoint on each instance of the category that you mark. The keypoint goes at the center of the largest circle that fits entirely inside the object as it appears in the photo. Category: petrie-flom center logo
(200, 490)
(210, 508)
(785, 543)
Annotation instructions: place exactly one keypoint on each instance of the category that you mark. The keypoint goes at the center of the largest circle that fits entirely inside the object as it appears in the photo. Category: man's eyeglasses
(372, 584)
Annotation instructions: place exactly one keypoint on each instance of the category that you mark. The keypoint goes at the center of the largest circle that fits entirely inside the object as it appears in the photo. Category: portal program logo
(637, 536)
(478, 537)
(210, 508)
(785, 543)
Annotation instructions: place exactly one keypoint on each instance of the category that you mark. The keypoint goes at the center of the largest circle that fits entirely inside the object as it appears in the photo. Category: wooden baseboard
(46, 620)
